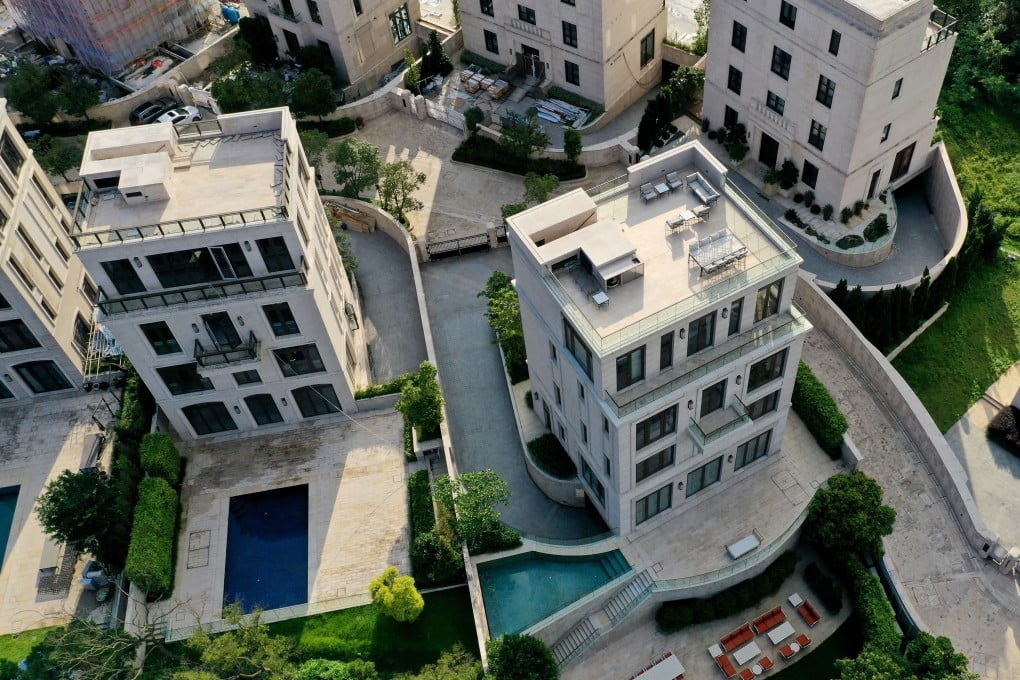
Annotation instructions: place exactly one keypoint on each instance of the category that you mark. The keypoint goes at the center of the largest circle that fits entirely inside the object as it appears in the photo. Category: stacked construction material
(559, 111)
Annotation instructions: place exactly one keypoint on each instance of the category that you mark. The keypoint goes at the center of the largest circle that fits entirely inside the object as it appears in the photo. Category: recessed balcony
(212, 357)
(719, 423)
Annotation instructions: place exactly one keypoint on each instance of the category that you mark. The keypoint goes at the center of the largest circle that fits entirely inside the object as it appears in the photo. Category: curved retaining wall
(843, 257)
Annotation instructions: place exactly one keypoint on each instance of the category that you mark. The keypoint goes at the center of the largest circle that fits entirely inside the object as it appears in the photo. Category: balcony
(212, 358)
(717, 425)
(777, 121)
(209, 291)
(941, 26)
(293, 17)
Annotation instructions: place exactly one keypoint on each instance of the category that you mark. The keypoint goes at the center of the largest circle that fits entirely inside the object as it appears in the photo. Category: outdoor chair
(674, 181)
(648, 192)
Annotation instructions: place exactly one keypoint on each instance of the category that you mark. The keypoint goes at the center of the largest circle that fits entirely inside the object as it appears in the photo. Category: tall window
(809, 175)
(577, 348)
(647, 48)
(885, 132)
(159, 336)
(816, 137)
(781, 63)
(767, 302)
(486, 7)
(766, 404)
(788, 14)
(734, 80)
(701, 334)
(730, 117)
(526, 14)
(123, 277)
(184, 379)
(42, 376)
(281, 319)
(275, 254)
(400, 24)
(775, 102)
(313, 12)
(263, 409)
(897, 86)
(630, 368)
(655, 428)
(300, 360)
(209, 418)
(713, 398)
(739, 37)
(752, 450)
(357, 7)
(15, 336)
(316, 400)
(199, 265)
(593, 482)
(572, 72)
(766, 370)
(666, 351)
(704, 477)
(652, 504)
(901, 165)
(654, 463)
(834, 38)
(736, 310)
(10, 155)
(569, 34)
(826, 91)
(491, 42)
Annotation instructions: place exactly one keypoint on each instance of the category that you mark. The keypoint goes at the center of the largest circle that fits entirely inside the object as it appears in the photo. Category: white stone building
(607, 51)
(45, 297)
(218, 273)
(662, 356)
(846, 89)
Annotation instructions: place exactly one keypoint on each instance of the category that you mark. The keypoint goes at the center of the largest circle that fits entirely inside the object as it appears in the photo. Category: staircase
(624, 602)
(574, 642)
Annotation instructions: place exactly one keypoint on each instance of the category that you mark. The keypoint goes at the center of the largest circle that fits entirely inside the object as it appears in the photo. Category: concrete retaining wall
(843, 257)
(905, 406)
(383, 402)
(675, 55)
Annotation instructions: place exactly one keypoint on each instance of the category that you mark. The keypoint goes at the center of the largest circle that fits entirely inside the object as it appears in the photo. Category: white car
(183, 114)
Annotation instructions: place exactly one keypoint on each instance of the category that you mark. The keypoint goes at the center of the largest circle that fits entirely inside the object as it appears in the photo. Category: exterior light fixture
(138, 262)
(682, 333)
(240, 320)
(8, 378)
(690, 404)
(237, 410)
(725, 312)
(247, 246)
(283, 400)
(739, 379)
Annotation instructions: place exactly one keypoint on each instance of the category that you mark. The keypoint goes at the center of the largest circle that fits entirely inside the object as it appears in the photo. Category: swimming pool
(8, 501)
(267, 549)
(522, 590)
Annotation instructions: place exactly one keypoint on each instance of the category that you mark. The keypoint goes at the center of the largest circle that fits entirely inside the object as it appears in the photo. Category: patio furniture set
(741, 644)
(717, 252)
(652, 190)
(666, 667)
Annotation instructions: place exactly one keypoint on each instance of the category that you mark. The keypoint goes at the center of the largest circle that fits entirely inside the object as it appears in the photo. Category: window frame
(656, 427)
(175, 383)
(593, 481)
(816, 135)
(494, 46)
(315, 396)
(575, 346)
(18, 331)
(775, 103)
(897, 88)
(734, 80)
(767, 301)
(826, 91)
(667, 343)
(310, 364)
(569, 33)
(400, 24)
(572, 72)
(767, 370)
(527, 15)
(647, 48)
(736, 312)
(788, 15)
(700, 478)
(485, 7)
(654, 464)
(275, 254)
(810, 170)
(630, 368)
(643, 507)
(834, 40)
(763, 406)
(738, 38)
(280, 326)
(781, 62)
(701, 333)
(262, 401)
(163, 345)
(713, 398)
(207, 418)
(753, 449)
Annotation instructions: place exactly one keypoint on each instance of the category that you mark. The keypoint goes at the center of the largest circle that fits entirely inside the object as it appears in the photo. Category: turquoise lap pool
(522, 590)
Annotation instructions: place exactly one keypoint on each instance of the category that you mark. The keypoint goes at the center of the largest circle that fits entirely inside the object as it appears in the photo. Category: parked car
(150, 111)
(182, 114)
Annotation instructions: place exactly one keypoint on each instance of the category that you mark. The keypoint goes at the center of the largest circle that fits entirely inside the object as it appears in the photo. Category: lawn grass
(960, 355)
(364, 633)
(15, 648)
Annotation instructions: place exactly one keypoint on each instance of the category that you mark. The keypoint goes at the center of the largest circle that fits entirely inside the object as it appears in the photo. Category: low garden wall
(384, 402)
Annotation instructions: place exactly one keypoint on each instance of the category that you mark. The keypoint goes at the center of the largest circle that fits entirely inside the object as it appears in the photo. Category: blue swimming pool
(8, 501)
(522, 590)
(267, 549)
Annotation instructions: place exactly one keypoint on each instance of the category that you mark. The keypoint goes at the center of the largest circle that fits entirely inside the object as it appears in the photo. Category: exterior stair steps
(579, 638)
(633, 594)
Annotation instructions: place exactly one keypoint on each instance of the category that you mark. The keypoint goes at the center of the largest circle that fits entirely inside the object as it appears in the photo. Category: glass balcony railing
(240, 218)
(732, 418)
(209, 291)
(213, 357)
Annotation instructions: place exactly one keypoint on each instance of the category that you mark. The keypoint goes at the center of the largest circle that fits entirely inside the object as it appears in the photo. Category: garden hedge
(160, 457)
(878, 621)
(818, 410)
(423, 518)
(332, 128)
(392, 387)
(150, 563)
(827, 589)
(490, 154)
(435, 554)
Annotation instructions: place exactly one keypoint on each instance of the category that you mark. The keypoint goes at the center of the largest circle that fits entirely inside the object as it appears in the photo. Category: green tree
(56, 155)
(77, 95)
(397, 183)
(314, 143)
(356, 165)
(319, 58)
(324, 669)
(85, 651)
(701, 17)
(504, 312)
(538, 187)
(435, 59)
(474, 496)
(521, 657)
(934, 658)
(847, 517)
(72, 510)
(523, 138)
(267, 90)
(28, 90)
(396, 596)
(248, 651)
(455, 663)
(572, 144)
(412, 77)
(421, 401)
(231, 94)
(256, 37)
(313, 94)
(874, 664)
(473, 117)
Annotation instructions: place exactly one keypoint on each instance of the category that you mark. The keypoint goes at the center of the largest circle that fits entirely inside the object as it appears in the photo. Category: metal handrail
(209, 358)
(705, 438)
(208, 291)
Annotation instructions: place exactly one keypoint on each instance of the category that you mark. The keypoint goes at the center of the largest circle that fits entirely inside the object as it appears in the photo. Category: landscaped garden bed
(1003, 430)
(551, 458)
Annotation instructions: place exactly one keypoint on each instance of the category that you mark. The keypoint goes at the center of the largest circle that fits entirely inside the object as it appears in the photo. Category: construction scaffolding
(109, 35)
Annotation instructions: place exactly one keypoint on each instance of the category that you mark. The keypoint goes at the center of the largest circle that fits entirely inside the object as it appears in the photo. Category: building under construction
(108, 34)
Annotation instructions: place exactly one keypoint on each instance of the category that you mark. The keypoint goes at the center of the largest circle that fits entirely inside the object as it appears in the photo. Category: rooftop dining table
(666, 669)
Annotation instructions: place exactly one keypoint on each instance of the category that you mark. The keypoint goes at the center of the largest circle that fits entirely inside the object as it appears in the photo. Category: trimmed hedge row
(332, 128)
(150, 563)
(490, 154)
(677, 614)
(549, 455)
(878, 621)
(435, 551)
(160, 457)
(827, 589)
(392, 387)
(819, 411)
(423, 519)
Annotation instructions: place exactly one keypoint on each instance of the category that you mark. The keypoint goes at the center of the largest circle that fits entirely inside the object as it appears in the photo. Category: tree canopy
(396, 596)
(474, 495)
(73, 510)
(356, 165)
(313, 94)
(421, 401)
(397, 183)
(524, 137)
(521, 657)
(847, 516)
(28, 90)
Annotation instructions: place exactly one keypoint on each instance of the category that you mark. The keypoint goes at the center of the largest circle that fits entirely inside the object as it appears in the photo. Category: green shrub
(325, 669)
(798, 197)
(392, 387)
(845, 214)
(409, 442)
(878, 621)
(488, 153)
(549, 455)
(827, 589)
(815, 208)
(858, 208)
(332, 128)
(159, 457)
(504, 312)
(809, 198)
(819, 411)
(850, 241)
(827, 212)
(423, 518)
(878, 228)
(435, 560)
(150, 556)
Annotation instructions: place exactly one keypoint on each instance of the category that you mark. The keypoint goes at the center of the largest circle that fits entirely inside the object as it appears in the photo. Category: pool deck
(357, 510)
(39, 439)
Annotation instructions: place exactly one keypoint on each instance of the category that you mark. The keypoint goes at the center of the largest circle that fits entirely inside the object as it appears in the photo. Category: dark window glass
(184, 379)
(901, 164)
(357, 7)
(281, 319)
(781, 63)
(652, 504)
(209, 418)
(885, 132)
(89, 290)
(713, 398)
(897, 86)
(569, 34)
(704, 477)
(247, 378)
(263, 409)
(752, 450)
(767, 302)
(221, 330)
(630, 368)
(649, 466)
(568, 2)
(826, 91)
(10, 154)
(834, 39)
(666, 351)
(701, 334)
(766, 404)
(201, 265)
(766, 370)
(491, 42)
(730, 117)
(486, 7)
(736, 310)
(400, 24)
(123, 277)
(816, 137)
(647, 49)
(577, 348)
(275, 254)
(809, 175)
(159, 336)
(316, 400)
(573, 72)
(42, 376)
(300, 360)
(4, 304)
(15, 336)
(775, 102)
(593, 482)
(313, 12)
(526, 14)
(788, 14)
(739, 39)
(655, 428)
(735, 79)
(5, 393)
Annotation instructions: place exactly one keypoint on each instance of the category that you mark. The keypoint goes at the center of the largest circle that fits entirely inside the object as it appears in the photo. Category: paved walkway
(955, 593)
(993, 472)
(481, 420)
(396, 343)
